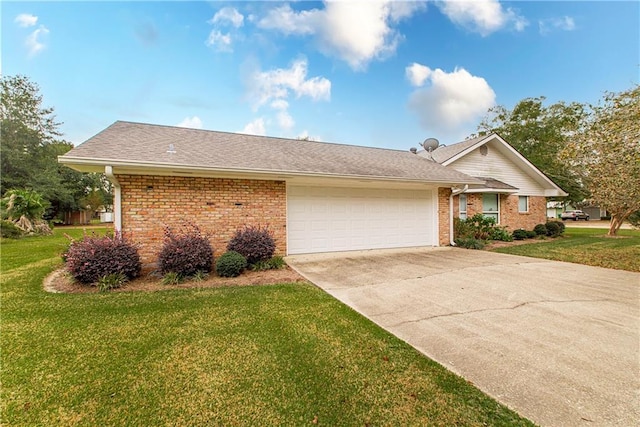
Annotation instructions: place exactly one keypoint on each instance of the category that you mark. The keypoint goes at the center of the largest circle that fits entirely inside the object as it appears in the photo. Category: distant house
(555, 209)
(315, 196)
(76, 217)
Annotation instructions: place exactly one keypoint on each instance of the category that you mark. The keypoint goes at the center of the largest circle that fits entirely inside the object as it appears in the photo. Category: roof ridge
(261, 136)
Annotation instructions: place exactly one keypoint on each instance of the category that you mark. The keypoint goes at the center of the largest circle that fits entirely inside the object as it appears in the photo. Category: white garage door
(323, 219)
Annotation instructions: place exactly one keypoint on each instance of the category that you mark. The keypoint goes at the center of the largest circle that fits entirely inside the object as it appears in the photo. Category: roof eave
(492, 190)
(139, 168)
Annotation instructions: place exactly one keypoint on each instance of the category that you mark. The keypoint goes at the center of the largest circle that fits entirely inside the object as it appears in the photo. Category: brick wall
(218, 206)
(511, 218)
(443, 216)
(509, 215)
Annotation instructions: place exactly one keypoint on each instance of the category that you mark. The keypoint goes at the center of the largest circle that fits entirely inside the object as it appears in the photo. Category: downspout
(454, 192)
(117, 198)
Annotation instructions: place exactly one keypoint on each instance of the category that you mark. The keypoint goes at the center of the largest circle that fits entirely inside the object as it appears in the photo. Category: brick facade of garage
(218, 206)
(443, 216)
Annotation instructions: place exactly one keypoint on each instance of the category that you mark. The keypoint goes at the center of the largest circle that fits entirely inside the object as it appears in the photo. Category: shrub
(171, 278)
(275, 263)
(461, 229)
(553, 229)
(481, 226)
(94, 257)
(556, 223)
(8, 230)
(261, 265)
(519, 234)
(231, 264)
(185, 251)
(254, 243)
(470, 243)
(111, 281)
(501, 234)
(531, 234)
(200, 276)
(540, 230)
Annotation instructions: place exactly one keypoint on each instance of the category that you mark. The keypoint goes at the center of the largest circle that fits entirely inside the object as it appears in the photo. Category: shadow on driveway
(557, 342)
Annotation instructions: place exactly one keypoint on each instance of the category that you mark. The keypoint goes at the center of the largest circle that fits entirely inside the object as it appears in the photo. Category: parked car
(574, 215)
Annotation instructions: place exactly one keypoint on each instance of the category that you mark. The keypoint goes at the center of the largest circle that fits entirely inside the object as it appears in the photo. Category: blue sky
(379, 73)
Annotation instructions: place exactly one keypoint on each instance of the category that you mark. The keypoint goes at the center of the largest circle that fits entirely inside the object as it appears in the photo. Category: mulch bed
(60, 281)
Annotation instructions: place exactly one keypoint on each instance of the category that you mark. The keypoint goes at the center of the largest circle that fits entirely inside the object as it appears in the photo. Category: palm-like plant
(25, 208)
(23, 203)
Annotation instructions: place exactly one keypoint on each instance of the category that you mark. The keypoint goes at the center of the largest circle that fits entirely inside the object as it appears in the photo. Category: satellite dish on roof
(430, 144)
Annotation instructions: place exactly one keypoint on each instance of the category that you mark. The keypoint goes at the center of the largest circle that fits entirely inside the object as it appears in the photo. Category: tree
(30, 149)
(540, 134)
(609, 150)
(27, 130)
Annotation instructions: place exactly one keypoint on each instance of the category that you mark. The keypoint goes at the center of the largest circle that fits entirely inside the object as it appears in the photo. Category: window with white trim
(523, 204)
(490, 206)
(463, 206)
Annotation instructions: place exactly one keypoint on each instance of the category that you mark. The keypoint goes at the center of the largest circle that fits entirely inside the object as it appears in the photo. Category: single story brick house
(314, 196)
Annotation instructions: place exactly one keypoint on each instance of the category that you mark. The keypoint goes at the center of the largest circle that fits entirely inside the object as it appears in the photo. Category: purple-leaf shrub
(94, 257)
(254, 243)
(185, 251)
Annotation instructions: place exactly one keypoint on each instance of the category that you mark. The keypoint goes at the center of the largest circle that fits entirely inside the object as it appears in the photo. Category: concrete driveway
(557, 342)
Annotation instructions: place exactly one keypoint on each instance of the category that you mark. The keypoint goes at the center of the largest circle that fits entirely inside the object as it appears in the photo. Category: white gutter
(117, 198)
(454, 192)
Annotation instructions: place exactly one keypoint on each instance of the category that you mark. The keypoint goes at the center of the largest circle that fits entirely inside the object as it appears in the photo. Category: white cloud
(305, 135)
(34, 41)
(265, 86)
(220, 42)
(451, 100)
(417, 74)
(228, 15)
(481, 16)
(285, 121)
(566, 23)
(279, 104)
(287, 21)
(191, 122)
(354, 31)
(255, 127)
(26, 20)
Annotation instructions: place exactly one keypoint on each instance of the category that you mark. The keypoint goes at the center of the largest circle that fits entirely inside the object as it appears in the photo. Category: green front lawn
(588, 246)
(286, 354)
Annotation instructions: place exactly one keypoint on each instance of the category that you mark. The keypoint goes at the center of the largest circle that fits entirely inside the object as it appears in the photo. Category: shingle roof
(493, 184)
(146, 144)
(444, 153)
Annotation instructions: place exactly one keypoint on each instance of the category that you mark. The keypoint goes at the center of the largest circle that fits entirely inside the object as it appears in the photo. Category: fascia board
(142, 168)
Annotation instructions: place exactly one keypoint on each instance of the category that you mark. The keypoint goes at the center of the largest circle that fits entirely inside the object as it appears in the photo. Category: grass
(588, 246)
(286, 354)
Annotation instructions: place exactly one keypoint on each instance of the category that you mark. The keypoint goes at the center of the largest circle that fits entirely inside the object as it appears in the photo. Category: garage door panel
(338, 219)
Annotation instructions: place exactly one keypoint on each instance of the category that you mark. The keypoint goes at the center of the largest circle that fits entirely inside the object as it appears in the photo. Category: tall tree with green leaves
(27, 128)
(608, 150)
(540, 134)
(30, 148)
